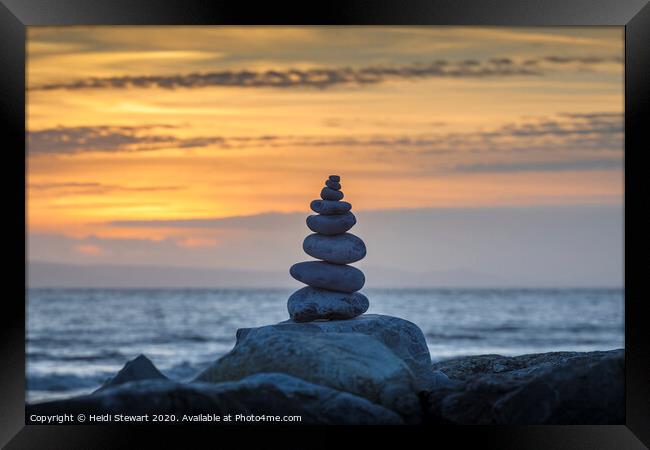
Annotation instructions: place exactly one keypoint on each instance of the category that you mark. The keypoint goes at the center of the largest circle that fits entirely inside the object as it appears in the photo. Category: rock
(329, 207)
(335, 178)
(439, 380)
(140, 368)
(273, 394)
(333, 185)
(403, 338)
(331, 225)
(350, 362)
(344, 248)
(550, 388)
(334, 277)
(330, 194)
(310, 303)
(547, 388)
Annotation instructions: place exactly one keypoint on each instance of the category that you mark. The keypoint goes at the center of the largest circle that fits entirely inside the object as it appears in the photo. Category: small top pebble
(335, 178)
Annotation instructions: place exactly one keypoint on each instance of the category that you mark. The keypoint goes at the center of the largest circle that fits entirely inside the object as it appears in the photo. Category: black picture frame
(634, 15)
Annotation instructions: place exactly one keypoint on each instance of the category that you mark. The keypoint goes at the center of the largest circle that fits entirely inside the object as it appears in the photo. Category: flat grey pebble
(324, 275)
(343, 248)
(329, 207)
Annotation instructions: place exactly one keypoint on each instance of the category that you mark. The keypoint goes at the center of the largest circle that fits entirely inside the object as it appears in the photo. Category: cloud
(83, 188)
(97, 138)
(196, 242)
(70, 140)
(598, 131)
(564, 125)
(88, 249)
(569, 134)
(582, 60)
(261, 222)
(323, 78)
(570, 245)
(597, 116)
(121, 250)
(351, 123)
(542, 166)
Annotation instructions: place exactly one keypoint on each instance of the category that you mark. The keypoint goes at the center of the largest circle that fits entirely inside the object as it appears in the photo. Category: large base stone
(403, 338)
(352, 362)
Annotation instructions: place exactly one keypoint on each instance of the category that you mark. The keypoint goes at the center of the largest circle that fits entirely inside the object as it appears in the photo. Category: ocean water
(77, 338)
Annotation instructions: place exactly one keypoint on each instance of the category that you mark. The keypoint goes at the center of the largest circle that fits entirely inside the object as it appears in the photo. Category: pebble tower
(332, 284)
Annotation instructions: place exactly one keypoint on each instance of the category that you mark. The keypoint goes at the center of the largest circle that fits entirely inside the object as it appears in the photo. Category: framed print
(382, 219)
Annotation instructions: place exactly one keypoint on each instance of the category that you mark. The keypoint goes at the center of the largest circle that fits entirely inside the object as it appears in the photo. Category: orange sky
(410, 117)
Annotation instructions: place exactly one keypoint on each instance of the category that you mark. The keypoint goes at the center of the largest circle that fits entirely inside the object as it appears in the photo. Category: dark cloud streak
(591, 131)
(323, 78)
(542, 166)
(67, 140)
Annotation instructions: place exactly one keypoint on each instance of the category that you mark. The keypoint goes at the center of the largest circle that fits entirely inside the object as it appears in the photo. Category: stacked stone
(332, 285)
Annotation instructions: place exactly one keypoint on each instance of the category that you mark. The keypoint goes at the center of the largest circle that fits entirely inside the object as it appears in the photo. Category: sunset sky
(203, 146)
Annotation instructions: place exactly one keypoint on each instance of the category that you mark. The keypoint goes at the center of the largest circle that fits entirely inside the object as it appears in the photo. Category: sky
(471, 155)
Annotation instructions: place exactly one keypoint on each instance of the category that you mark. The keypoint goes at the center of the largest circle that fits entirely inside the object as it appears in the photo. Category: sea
(78, 338)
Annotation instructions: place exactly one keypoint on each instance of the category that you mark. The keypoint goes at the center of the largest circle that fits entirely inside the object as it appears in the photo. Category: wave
(451, 337)
(64, 382)
(51, 356)
(185, 370)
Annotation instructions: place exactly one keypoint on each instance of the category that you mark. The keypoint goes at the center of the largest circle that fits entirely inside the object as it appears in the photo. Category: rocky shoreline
(558, 388)
(368, 370)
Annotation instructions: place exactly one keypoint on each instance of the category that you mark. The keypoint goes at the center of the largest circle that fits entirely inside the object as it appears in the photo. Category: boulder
(403, 338)
(331, 225)
(310, 303)
(140, 368)
(324, 275)
(344, 248)
(350, 362)
(547, 388)
(329, 207)
(272, 394)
